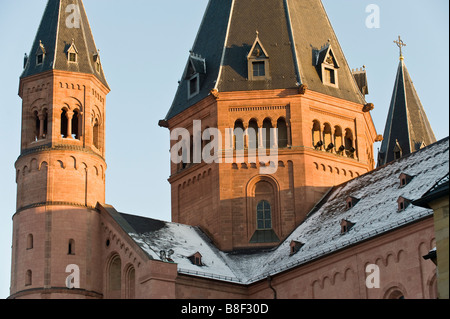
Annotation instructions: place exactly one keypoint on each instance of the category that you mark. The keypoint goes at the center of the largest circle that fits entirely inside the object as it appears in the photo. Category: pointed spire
(64, 25)
(407, 127)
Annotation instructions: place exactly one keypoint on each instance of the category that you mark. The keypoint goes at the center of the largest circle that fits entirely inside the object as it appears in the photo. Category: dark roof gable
(290, 31)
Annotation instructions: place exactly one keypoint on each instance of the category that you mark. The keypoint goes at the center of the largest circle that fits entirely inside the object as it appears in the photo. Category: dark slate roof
(407, 124)
(56, 36)
(291, 31)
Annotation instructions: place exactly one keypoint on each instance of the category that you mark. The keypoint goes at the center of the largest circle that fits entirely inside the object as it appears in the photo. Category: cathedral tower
(256, 66)
(407, 127)
(61, 167)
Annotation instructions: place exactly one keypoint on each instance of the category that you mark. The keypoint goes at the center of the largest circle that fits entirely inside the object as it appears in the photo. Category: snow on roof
(376, 213)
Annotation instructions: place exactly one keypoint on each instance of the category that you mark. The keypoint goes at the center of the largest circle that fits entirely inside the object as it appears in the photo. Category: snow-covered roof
(375, 213)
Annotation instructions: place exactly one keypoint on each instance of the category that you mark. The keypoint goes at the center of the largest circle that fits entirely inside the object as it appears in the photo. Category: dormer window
(327, 66)
(40, 54)
(403, 203)
(351, 202)
(258, 62)
(72, 53)
(295, 246)
(405, 179)
(346, 226)
(193, 86)
(196, 259)
(195, 71)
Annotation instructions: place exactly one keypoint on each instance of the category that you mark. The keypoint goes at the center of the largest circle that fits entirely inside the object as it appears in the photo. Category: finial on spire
(400, 44)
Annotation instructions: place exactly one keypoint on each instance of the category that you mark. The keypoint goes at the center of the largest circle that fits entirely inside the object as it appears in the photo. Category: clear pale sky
(144, 48)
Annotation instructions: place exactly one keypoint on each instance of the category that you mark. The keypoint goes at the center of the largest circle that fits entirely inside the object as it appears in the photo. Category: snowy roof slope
(375, 213)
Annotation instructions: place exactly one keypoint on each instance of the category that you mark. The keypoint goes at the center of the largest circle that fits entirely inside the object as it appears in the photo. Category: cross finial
(400, 44)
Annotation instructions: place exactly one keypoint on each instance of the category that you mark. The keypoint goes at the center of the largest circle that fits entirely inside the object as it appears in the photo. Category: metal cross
(400, 44)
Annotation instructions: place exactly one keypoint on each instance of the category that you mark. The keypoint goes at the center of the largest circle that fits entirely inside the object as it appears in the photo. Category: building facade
(314, 221)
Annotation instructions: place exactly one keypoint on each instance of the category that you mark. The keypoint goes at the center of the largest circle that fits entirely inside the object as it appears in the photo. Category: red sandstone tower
(270, 64)
(61, 167)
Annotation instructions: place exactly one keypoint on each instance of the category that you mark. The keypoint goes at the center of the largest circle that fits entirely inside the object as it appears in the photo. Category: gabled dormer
(72, 53)
(196, 259)
(295, 247)
(403, 203)
(351, 202)
(195, 72)
(40, 53)
(397, 150)
(405, 179)
(346, 226)
(258, 62)
(327, 66)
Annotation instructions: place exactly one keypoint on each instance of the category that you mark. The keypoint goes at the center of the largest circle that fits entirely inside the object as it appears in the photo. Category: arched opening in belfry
(282, 133)
(96, 134)
(316, 135)
(64, 126)
(327, 137)
(76, 121)
(349, 143)
(338, 140)
(267, 126)
(239, 143)
(253, 134)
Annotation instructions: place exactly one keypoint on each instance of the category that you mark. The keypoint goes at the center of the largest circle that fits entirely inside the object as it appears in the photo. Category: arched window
(264, 215)
(37, 125)
(64, 133)
(29, 278)
(316, 135)
(30, 241)
(114, 276)
(267, 125)
(282, 133)
(327, 138)
(130, 283)
(239, 135)
(96, 134)
(349, 148)
(76, 125)
(71, 248)
(338, 140)
(253, 134)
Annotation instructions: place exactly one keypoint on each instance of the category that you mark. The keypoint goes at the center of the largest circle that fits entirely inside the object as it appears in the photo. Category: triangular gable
(257, 51)
(40, 49)
(196, 65)
(72, 48)
(327, 56)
